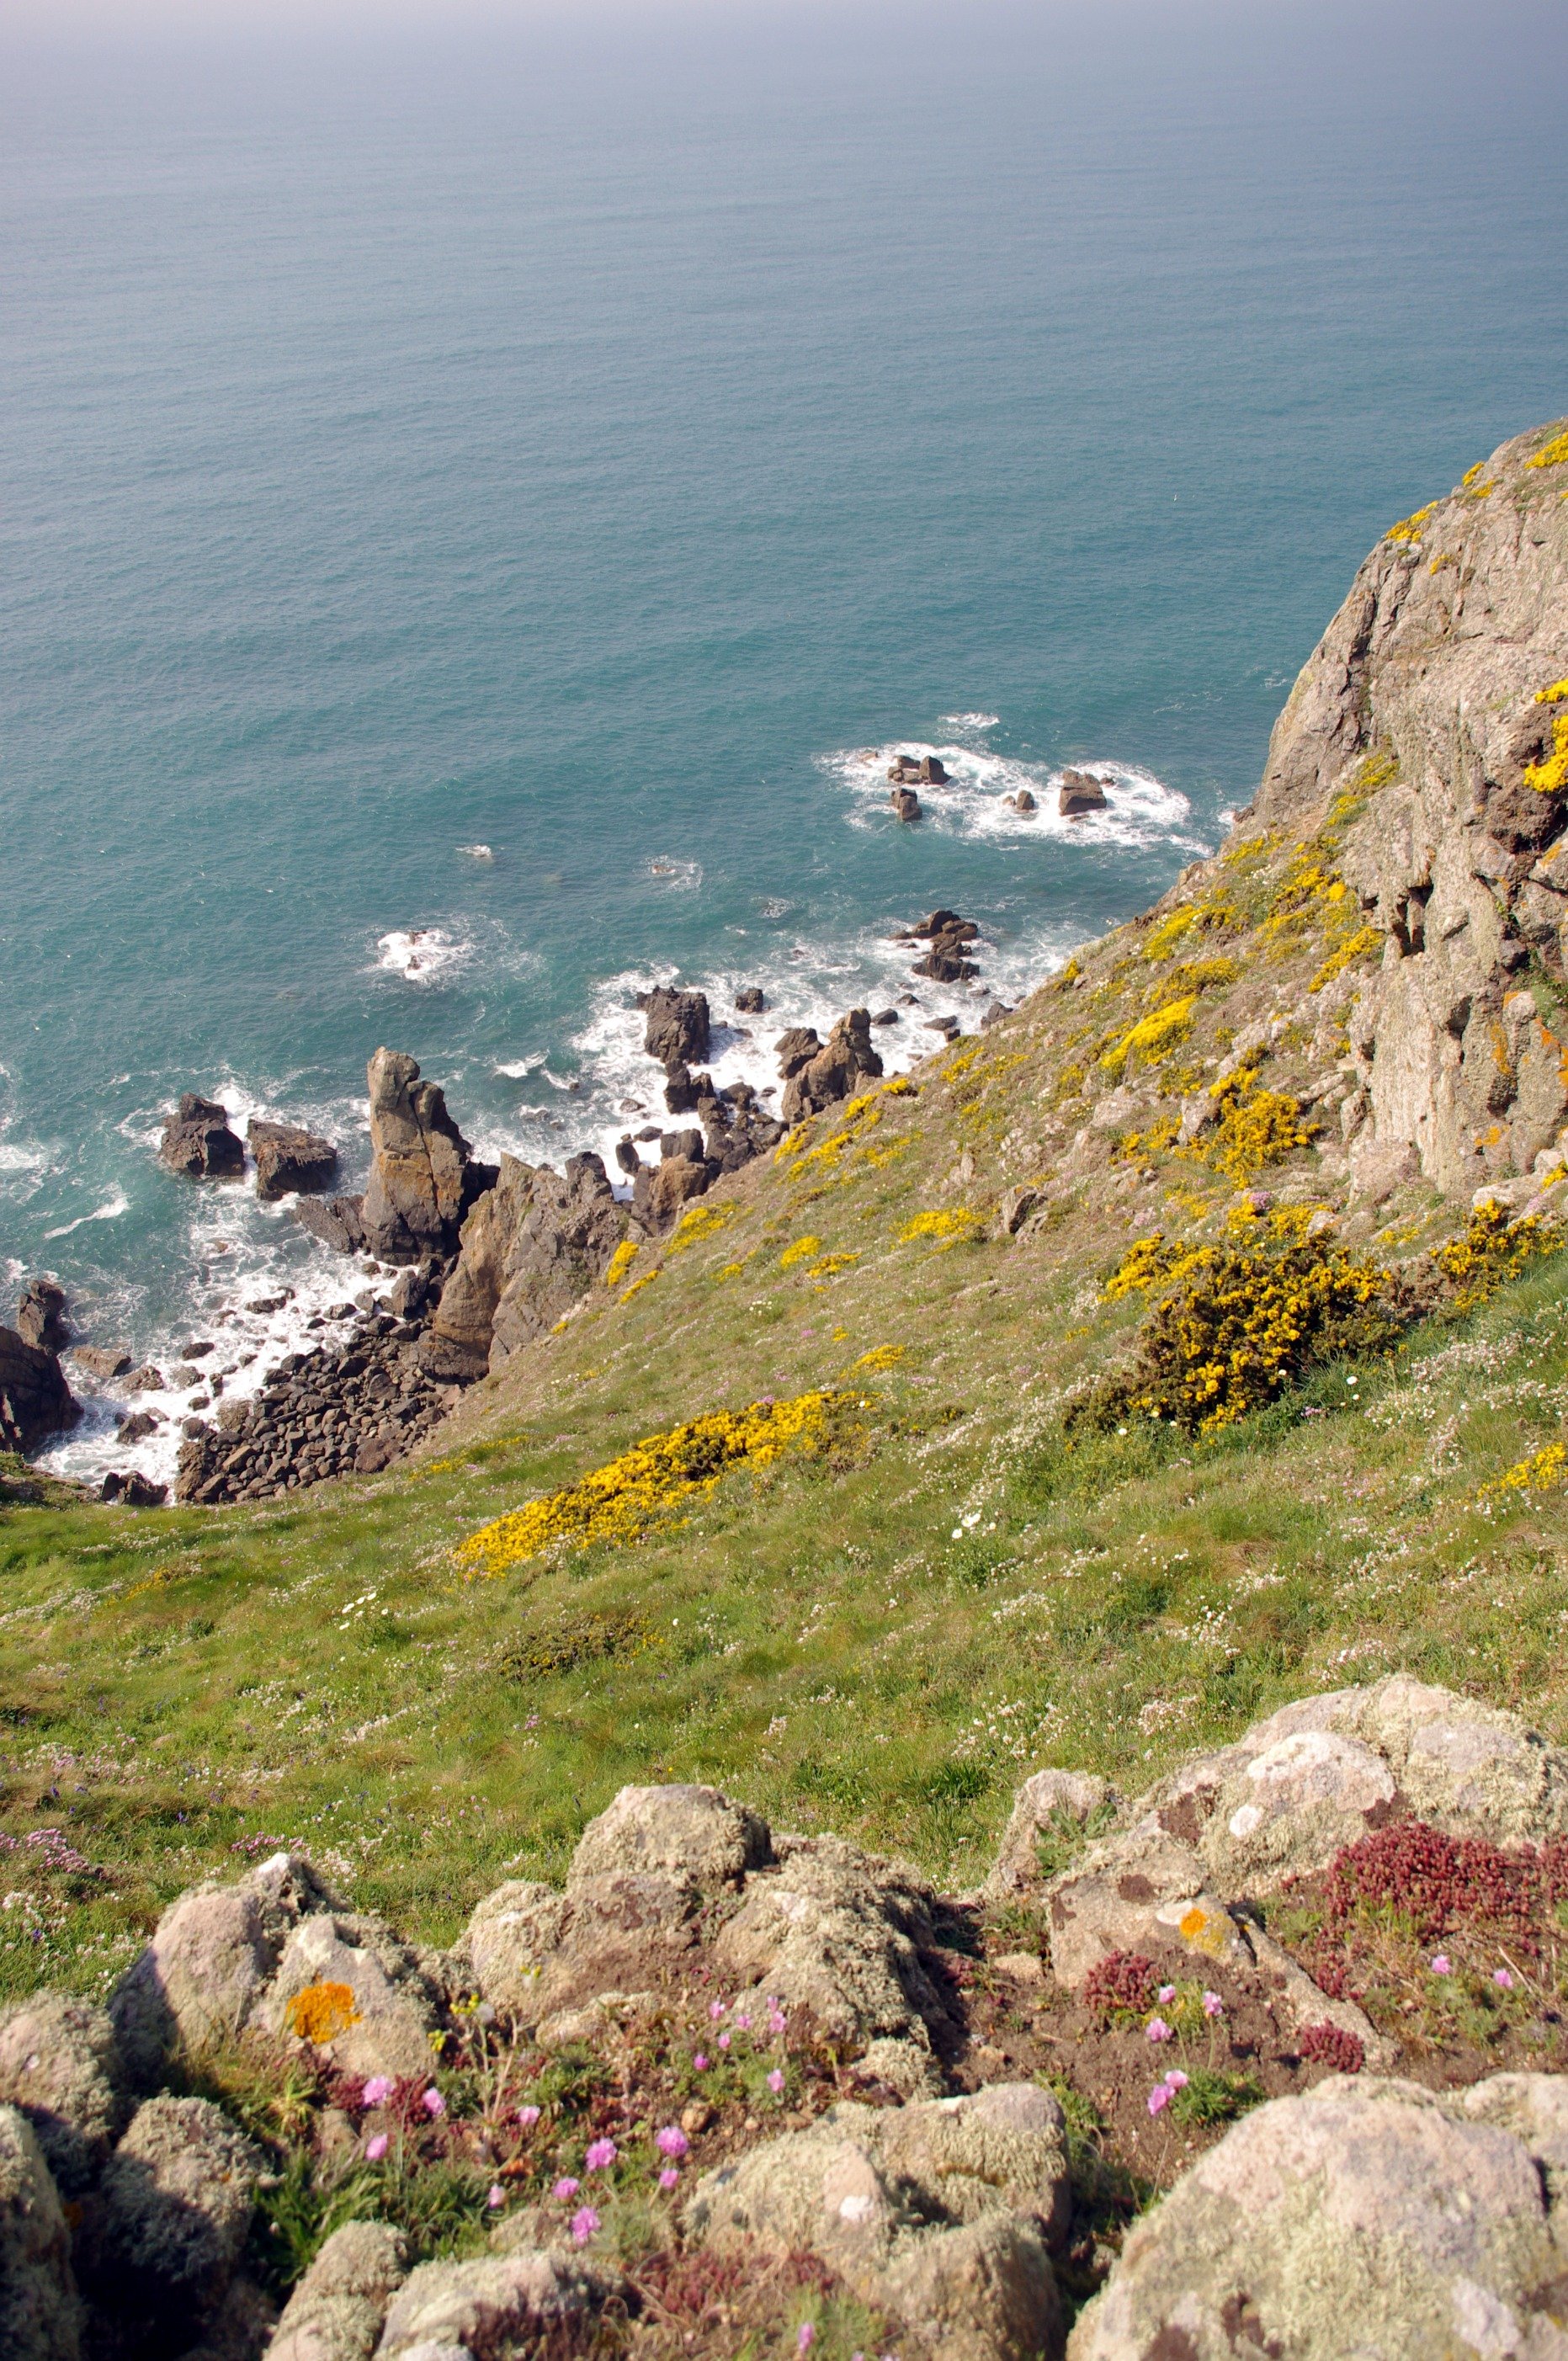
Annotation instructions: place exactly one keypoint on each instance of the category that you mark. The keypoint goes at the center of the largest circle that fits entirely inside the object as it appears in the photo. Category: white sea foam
(969, 721)
(678, 876)
(110, 1210)
(477, 851)
(1140, 810)
(422, 954)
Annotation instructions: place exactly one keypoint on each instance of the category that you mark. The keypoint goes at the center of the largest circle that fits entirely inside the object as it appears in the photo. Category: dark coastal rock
(339, 1222)
(1024, 801)
(678, 1031)
(288, 1158)
(682, 1089)
(796, 1048)
(626, 1155)
(917, 770)
(836, 1070)
(662, 1189)
(198, 1142)
(529, 1249)
(137, 1424)
(148, 1380)
(102, 1360)
(905, 804)
(133, 1491)
(750, 1000)
(948, 937)
(35, 1401)
(994, 1014)
(1081, 791)
(40, 1316)
(422, 1179)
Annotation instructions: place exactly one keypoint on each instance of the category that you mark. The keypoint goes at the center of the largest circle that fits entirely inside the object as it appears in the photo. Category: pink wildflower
(527, 2117)
(433, 2102)
(1213, 2004)
(724, 2041)
(584, 2222)
(805, 2337)
(601, 2155)
(1159, 2098)
(700, 2062)
(1157, 2029)
(374, 2149)
(1501, 1976)
(1440, 1966)
(1176, 2080)
(672, 2141)
(378, 2089)
(566, 2188)
(1166, 1991)
(669, 2177)
(776, 2082)
(744, 2023)
(498, 2195)
(716, 2010)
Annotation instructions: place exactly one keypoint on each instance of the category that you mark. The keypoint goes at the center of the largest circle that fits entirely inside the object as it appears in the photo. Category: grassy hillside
(936, 1587)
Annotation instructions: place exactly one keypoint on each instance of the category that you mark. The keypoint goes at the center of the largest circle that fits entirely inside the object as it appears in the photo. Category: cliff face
(1428, 696)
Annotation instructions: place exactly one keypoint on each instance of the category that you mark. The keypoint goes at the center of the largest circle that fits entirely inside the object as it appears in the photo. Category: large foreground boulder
(197, 1141)
(942, 2215)
(533, 2301)
(422, 1179)
(1236, 1822)
(59, 2066)
(35, 1401)
(40, 2318)
(338, 2309)
(1366, 2218)
(168, 2225)
(679, 1027)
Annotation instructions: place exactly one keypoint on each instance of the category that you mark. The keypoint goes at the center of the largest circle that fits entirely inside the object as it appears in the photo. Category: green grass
(885, 1648)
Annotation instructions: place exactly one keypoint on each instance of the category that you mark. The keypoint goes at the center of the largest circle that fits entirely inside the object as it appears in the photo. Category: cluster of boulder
(908, 773)
(1420, 2220)
(1080, 792)
(948, 937)
(199, 1142)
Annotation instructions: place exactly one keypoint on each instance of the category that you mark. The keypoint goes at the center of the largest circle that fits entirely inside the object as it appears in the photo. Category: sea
(481, 506)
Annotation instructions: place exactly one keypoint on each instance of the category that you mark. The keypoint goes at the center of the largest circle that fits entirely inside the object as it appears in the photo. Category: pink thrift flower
(1440, 1966)
(716, 2010)
(724, 2041)
(672, 2141)
(1176, 2080)
(700, 2062)
(744, 2023)
(601, 2155)
(776, 2082)
(1159, 2098)
(374, 2149)
(566, 2188)
(1213, 2004)
(805, 2337)
(584, 2222)
(669, 2177)
(527, 2117)
(1157, 2029)
(775, 2022)
(433, 2102)
(1166, 1991)
(1501, 1976)
(498, 2195)
(378, 2089)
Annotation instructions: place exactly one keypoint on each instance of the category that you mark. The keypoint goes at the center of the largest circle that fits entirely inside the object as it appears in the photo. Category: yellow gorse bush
(947, 1228)
(801, 1251)
(1551, 455)
(650, 1485)
(620, 1262)
(1409, 528)
(1549, 778)
(881, 1357)
(1492, 1249)
(698, 1223)
(1152, 1037)
(1544, 1471)
(1256, 1128)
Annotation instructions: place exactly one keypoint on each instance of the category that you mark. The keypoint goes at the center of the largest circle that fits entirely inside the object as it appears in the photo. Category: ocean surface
(477, 519)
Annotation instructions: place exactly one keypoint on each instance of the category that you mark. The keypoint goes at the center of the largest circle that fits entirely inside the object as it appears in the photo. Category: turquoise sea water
(584, 450)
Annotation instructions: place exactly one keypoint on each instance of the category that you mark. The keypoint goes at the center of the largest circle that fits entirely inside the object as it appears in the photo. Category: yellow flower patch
(1364, 941)
(831, 1264)
(1551, 455)
(637, 1285)
(696, 1225)
(802, 1251)
(947, 1229)
(1549, 778)
(1544, 1471)
(650, 1485)
(881, 1357)
(1152, 1037)
(620, 1262)
(1409, 528)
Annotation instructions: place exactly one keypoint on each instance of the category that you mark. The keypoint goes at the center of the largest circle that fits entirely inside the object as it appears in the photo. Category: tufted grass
(883, 1644)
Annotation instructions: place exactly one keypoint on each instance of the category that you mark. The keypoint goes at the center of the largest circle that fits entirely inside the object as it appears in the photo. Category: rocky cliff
(1437, 702)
